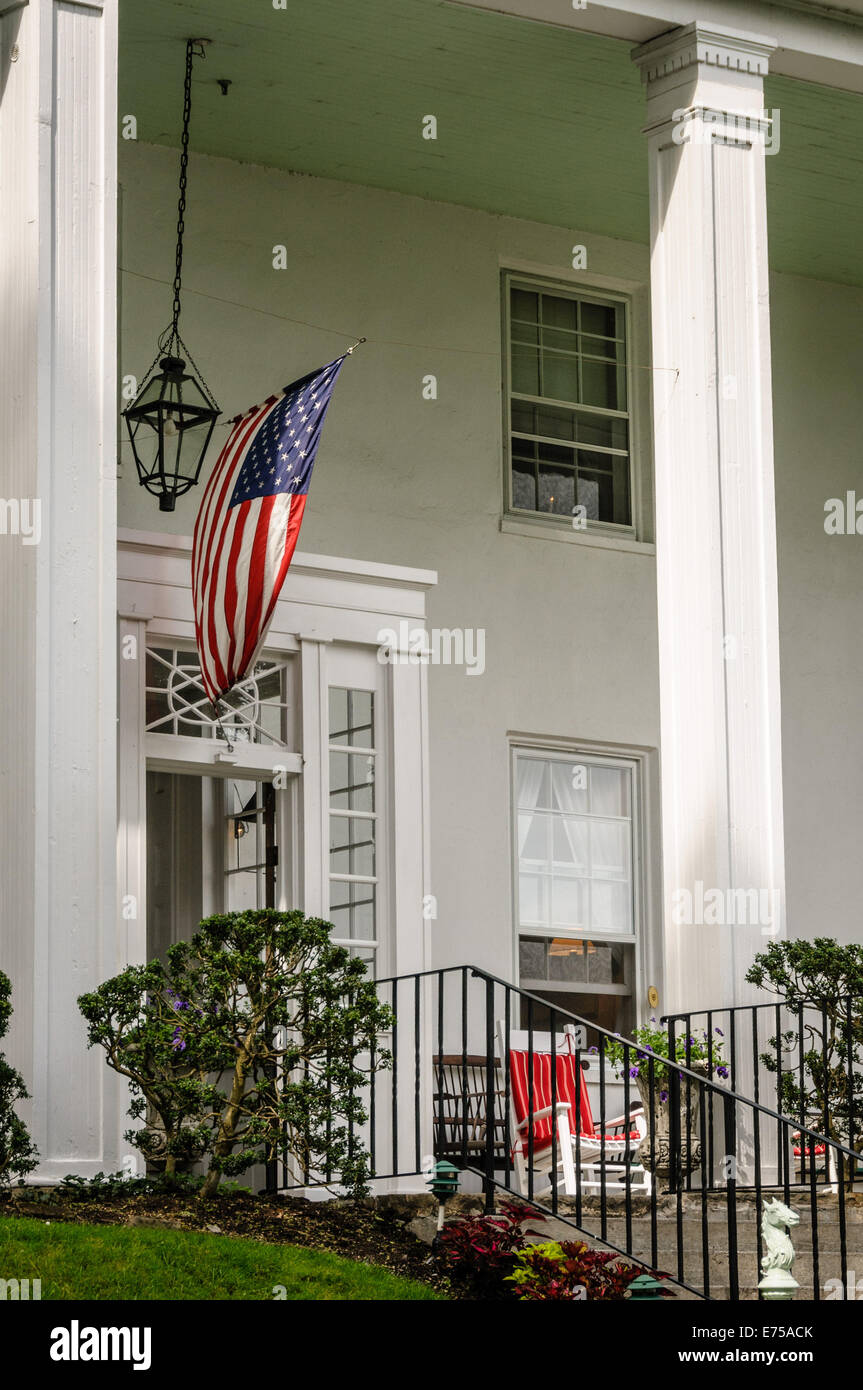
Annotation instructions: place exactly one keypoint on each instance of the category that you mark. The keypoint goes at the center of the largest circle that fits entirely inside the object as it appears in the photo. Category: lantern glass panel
(170, 424)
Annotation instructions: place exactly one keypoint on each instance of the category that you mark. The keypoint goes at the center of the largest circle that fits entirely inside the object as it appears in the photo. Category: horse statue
(775, 1218)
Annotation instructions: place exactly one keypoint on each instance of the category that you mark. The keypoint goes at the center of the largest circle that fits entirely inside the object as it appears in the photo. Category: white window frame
(561, 525)
(613, 756)
(354, 669)
(331, 610)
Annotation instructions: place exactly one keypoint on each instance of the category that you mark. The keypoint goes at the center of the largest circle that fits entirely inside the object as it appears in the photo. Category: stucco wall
(817, 340)
(570, 629)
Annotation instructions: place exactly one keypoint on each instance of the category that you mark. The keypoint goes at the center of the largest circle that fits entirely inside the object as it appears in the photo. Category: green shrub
(250, 1039)
(829, 979)
(18, 1154)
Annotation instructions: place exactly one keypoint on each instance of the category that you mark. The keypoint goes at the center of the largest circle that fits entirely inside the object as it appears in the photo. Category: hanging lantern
(171, 420)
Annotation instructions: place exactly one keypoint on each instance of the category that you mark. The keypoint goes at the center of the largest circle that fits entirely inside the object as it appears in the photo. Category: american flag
(248, 524)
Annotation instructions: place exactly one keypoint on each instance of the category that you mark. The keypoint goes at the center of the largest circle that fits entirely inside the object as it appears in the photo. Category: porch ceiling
(534, 121)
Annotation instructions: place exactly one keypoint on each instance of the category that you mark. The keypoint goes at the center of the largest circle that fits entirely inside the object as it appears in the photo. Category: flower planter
(685, 1159)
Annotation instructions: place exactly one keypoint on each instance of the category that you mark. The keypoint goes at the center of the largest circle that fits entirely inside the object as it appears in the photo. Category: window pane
(610, 906)
(525, 369)
(567, 961)
(596, 429)
(352, 784)
(560, 312)
(352, 910)
(532, 956)
(587, 492)
(351, 717)
(524, 305)
(352, 849)
(569, 902)
(158, 714)
(598, 318)
(556, 422)
(533, 783)
(570, 844)
(609, 849)
(560, 378)
(338, 714)
(609, 791)
(569, 786)
(606, 964)
(598, 347)
(157, 673)
(533, 898)
(524, 487)
(599, 384)
(533, 838)
(368, 955)
(556, 489)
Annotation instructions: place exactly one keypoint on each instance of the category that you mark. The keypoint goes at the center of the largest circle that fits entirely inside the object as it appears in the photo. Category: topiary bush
(827, 1092)
(255, 1037)
(18, 1154)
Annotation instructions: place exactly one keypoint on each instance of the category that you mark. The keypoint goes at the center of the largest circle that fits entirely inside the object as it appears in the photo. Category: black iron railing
(715, 1156)
(801, 1060)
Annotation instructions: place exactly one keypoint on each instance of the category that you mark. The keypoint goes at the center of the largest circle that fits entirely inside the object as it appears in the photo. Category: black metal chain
(194, 49)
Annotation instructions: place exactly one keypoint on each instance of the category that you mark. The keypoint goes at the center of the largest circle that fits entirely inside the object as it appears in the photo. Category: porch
(719, 1160)
(605, 644)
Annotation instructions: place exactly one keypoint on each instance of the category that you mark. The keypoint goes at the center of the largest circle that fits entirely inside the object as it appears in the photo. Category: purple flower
(633, 1071)
(663, 1095)
(719, 1031)
(721, 1071)
(593, 1049)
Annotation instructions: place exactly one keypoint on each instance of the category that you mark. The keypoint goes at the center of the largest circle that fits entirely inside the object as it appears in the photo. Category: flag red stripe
(242, 549)
(257, 567)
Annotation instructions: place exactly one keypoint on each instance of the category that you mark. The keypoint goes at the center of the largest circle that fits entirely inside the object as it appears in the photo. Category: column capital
(703, 45)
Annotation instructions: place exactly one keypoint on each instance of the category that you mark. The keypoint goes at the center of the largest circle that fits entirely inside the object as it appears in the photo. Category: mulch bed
(357, 1232)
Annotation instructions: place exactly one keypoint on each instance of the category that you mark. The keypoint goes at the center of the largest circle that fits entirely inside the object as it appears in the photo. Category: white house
(601, 446)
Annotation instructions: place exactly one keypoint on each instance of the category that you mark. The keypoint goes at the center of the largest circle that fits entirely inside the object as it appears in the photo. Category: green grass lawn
(107, 1262)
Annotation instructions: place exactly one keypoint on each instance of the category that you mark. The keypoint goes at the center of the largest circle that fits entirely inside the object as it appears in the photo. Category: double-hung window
(569, 447)
(575, 850)
(353, 822)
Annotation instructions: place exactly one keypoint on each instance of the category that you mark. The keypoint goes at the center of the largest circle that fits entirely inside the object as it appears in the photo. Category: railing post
(728, 1103)
(489, 1096)
(673, 1112)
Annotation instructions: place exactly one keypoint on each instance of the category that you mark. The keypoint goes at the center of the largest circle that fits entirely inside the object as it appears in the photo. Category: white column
(132, 789)
(58, 924)
(715, 521)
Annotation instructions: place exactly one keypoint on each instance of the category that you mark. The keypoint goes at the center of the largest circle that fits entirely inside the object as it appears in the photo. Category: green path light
(645, 1287)
(444, 1183)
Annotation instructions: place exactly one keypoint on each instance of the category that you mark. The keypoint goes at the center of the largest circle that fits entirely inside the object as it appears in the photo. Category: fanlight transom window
(257, 710)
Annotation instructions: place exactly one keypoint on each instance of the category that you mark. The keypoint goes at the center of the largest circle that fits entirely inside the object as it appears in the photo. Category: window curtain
(529, 775)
